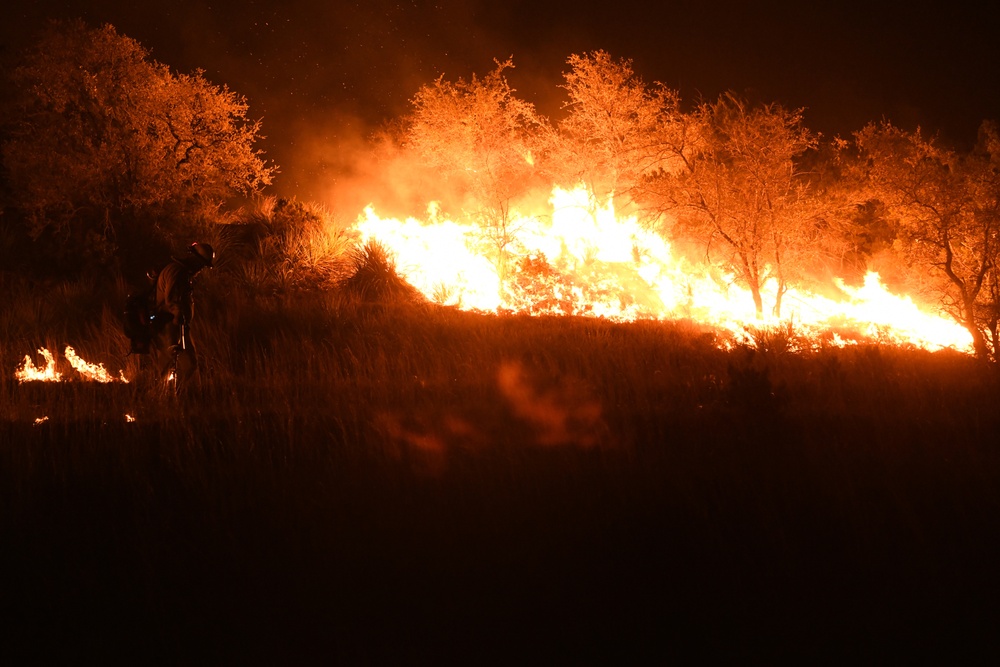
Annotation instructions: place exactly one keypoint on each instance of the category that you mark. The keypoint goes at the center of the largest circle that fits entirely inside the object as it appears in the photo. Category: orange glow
(562, 415)
(579, 259)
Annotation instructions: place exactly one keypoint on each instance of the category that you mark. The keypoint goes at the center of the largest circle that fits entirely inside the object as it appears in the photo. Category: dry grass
(373, 277)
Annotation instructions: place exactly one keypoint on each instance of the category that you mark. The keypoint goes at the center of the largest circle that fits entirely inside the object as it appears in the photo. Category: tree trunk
(782, 288)
(758, 302)
(753, 282)
(978, 340)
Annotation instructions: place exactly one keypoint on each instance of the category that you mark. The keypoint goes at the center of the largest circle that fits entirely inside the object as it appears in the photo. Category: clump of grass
(287, 245)
(375, 279)
(777, 339)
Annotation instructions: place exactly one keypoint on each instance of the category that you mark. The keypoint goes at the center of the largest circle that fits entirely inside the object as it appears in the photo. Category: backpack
(140, 311)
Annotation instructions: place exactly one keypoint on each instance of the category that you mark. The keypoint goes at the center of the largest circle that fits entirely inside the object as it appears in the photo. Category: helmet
(204, 252)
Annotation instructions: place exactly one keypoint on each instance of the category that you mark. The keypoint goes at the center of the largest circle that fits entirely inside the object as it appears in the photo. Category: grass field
(361, 483)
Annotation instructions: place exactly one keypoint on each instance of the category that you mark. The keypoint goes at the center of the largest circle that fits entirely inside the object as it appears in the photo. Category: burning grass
(578, 258)
(410, 481)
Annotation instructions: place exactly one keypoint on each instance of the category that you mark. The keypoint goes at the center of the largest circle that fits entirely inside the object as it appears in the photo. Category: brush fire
(582, 259)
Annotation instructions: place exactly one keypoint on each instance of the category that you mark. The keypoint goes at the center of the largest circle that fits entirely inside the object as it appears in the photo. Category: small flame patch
(85, 370)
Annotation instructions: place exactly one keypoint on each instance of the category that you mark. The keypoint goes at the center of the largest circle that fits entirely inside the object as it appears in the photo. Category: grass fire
(648, 379)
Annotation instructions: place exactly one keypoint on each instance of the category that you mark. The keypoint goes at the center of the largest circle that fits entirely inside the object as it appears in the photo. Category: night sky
(323, 74)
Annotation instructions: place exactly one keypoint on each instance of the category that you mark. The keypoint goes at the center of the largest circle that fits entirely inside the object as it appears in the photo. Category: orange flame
(583, 259)
(95, 372)
(28, 372)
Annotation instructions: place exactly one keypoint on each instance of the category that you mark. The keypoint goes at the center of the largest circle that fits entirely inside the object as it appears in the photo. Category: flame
(583, 259)
(28, 372)
(95, 372)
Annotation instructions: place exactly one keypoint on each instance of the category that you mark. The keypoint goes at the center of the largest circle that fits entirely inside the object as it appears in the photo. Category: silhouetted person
(174, 312)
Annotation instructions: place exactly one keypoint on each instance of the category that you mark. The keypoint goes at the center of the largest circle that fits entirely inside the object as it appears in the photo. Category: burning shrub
(375, 278)
(539, 288)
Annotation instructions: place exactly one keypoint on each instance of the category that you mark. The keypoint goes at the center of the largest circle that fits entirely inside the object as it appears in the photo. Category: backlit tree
(484, 139)
(616, 127)
(741, 192)
(101, 140)
(948, 206)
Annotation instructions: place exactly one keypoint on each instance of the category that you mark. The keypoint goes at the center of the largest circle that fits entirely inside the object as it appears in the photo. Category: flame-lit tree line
(105, 149)
(747, 183)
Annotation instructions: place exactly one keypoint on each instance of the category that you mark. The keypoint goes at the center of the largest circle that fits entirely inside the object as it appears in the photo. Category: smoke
(324, 75)
(327, 124)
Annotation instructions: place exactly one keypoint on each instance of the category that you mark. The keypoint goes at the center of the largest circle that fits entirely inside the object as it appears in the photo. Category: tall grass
(281, 245)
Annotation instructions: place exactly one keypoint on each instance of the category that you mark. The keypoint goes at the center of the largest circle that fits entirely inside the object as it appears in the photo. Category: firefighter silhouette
(172, 347)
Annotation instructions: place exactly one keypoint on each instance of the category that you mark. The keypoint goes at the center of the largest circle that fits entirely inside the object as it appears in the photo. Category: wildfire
(28, 372)
(581, 259)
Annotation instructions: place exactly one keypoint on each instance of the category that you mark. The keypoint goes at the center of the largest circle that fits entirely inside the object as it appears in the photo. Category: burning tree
(948, 206)
(483, 138)
(741, 188)
(102, 138)
(617, 128)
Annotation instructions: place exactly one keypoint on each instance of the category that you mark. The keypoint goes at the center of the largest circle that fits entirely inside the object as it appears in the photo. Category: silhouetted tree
(483, 138)
(948, 205)
(740, 192)
(101, 138)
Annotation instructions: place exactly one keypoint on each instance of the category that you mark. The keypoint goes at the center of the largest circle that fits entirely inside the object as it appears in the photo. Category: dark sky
(321, 74)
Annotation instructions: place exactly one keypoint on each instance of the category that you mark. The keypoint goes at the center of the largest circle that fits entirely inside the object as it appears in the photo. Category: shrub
(286, 244)
(374, 277)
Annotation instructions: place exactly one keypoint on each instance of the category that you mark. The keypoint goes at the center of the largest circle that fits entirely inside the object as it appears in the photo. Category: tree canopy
(104, 149)
(948, 205)
(616, 127)
(99, 138)
(741, 190)
(485, 139)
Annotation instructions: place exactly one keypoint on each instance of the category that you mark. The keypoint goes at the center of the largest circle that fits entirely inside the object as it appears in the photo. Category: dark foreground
(734, 543)
(610, 496)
